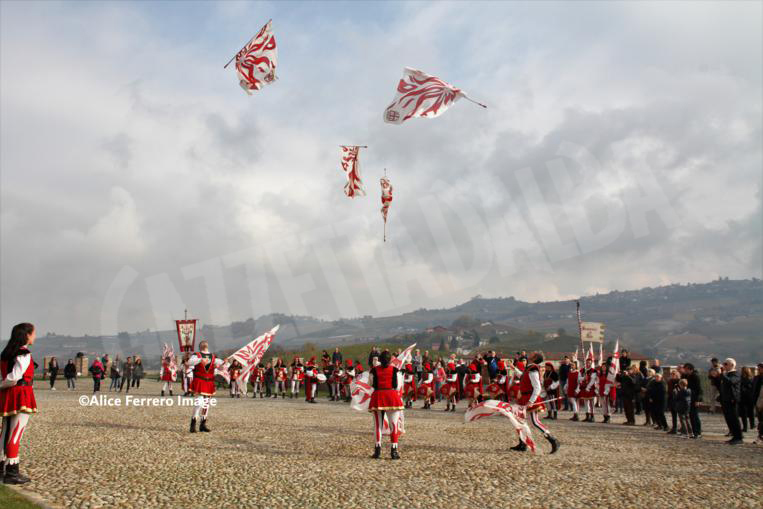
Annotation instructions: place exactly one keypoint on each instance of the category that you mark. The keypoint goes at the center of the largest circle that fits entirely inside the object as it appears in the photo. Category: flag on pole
(615, 368)
(404, 358)
(601, 353)
(386, 200)
(257, 60)
(351, 167)
(575, 355)
(590, 354)
(421, 95)
(248, 355)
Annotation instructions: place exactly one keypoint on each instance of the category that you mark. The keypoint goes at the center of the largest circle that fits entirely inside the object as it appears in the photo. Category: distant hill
(675, 323)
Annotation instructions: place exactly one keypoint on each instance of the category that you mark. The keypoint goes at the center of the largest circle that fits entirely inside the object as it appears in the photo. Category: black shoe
(453, 408)
(170, 393)
(193, 425)
(203, 426)
(12, 475)
(162, 393)
(377, 452)
(735, 441)
(606, 419)
(554, 443)
(672, 432)
(521, 446)
(394, 454)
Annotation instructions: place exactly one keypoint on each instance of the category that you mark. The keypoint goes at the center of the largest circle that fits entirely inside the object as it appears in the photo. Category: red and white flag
(601, 352)
(590, 354)
(248, 355)
(351, 167)
(514, 413)
(404, 358)
(256, 62)
(615, 368)
(386, 199)
(421, 95)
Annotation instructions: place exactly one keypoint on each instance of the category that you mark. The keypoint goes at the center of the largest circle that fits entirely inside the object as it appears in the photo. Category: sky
(621, 148)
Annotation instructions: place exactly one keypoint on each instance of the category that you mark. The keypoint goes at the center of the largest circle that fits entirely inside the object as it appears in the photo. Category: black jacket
(627, 386)
(757, 384)
(695, 386)
(746, 391)
(729, 388)
(70, 371)
(656, 392)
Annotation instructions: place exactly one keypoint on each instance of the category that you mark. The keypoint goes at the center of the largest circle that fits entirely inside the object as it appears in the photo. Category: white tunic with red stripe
(16, 389)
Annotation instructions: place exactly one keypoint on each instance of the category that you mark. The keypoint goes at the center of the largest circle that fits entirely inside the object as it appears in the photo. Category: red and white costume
(167, 374)
(17, 402)
(449, 387)
(297, 374)
(282, 377)
(349, 376)
(203, 383)
(385, 399)
(573, 379)
(587, 389)
(426, 387)
(311, 380)
(409, 385)
(530, 390)
(337, 377)
(607, 392)
(473, 389)
(258, 381)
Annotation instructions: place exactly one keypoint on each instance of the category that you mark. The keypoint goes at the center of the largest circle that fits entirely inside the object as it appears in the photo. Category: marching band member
(426, 387)
(385, 399)
(167, 375)
(187, 375)
(297, 373)
(235, 373)
(551, 386)
(282, 376)
(409, 386)
(349, 376)
(17, 400)
(587, 389)
(513, 375)
(336, 381)
(573, 379)
(530, 389)
(474, 384)
(203, 384)
(311, 382)
(450, 387)
(258, 373)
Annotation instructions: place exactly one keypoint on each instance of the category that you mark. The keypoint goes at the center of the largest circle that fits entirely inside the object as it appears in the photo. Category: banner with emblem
(256, 62)
(592, 332)
(186, 330)
(351, 168)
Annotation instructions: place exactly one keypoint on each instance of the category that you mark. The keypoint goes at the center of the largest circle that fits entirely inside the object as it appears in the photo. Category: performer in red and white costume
(258, 381)
(573, 381)
(235, 373)
(282, 378)
(426, 386)
(187, 375)
(530, 390)
(606, 390)
(311, 380)
(385, 400)
(450, 388)
(337, 377)
(17, 400)
(349, 376)
(474, 384)
(167, 374)
(587, 389)
(297, 374)
(409, 386)
(203, 384)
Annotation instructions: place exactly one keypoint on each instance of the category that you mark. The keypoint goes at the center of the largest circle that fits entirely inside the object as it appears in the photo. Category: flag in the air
(404, 358)
(615, 368)
(386, 199)
(248, 355)
(601, 352)
(421, 95)
(256, 62)
(590, 354)
(351, 167)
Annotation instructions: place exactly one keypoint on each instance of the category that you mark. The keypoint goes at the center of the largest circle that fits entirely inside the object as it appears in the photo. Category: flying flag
(386, 199)
(257, 60)
(601, 353)
(422, 95)
(513, 412)
(615, 368)
(248, 355)
(575, 355)
(404, 358)
(351, 167)
(590, 354)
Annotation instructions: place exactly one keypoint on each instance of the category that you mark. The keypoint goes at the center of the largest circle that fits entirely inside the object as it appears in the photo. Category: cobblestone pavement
(284, 453)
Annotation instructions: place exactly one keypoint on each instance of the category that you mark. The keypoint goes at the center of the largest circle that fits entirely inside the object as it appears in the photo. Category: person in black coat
(757, 385)
(656, 391)
(746, 401)
(695, 387)
(728, 384)
(70, 373)
(628, 390)
(672, 390)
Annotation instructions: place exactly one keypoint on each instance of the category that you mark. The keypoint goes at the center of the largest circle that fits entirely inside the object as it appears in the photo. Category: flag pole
(242, 47)
(472, 100)
(358, 146)
(385, 217)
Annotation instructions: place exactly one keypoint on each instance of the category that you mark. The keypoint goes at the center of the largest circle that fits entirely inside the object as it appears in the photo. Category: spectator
(638, 381)
(70, 373)
(714, 395)
(137, 372)
(461, 372)
(672, 394)
(695, 387)
(746, 400)
(336, 356)
(656, 366)
(127, 369)
(96, 371)
(325, 360)
(655, 395)
(492, 364)
(648, 376)
(625, 361)
(416, 361)
(757, 396)
(53, 372)
(564, 372)
(629, 388)
(729, 395)
(682, 401)
(115, 373)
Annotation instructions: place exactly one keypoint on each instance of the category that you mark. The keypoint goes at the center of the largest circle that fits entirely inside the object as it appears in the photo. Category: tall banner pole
(580, 331)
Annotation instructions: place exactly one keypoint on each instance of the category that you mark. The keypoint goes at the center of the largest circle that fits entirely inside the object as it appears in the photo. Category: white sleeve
(219, 362)
(537, 388)
(592, 383)
(193, 361)
(19, 367)
(554, 385)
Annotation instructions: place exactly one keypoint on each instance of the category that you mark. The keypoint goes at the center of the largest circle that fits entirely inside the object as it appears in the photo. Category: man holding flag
(530, 389)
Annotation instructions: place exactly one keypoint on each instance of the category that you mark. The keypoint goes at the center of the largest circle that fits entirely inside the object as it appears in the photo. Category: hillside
(676, 322)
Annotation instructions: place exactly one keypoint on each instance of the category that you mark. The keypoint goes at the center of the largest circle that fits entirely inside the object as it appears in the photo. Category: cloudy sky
(621, 149)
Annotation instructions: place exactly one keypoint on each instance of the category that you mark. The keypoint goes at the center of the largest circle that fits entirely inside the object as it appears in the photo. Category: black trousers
(628, 408)
(96, 384)
(53, 379)
(673, 418)
(732, 420)
(658, 416)
(696, 423)
(746, 414)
